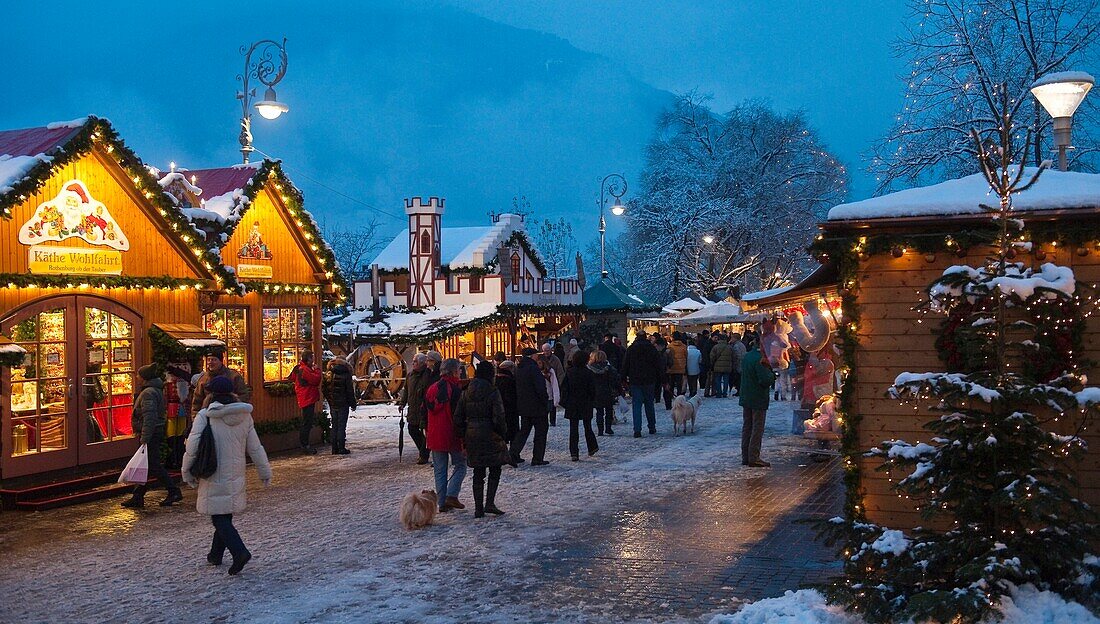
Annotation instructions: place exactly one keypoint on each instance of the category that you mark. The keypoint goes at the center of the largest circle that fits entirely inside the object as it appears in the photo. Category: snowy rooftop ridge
(1055, 190)
(459, 247)
(422, 323)
(13, 169)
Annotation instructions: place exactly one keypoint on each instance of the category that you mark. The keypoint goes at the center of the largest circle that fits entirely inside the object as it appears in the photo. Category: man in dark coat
(578, 396)
(757, 379)
(412, 400)
(531, 399)
(506, 382)
(338, 387)
(479, 418)
(148, 422)
(613, 351)
(642, 368)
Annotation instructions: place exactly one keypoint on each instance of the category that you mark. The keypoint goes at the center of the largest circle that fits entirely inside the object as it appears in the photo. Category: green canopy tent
(609, 303)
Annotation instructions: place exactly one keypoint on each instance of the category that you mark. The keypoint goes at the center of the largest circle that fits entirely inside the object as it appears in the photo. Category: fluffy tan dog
(685, 410)
(418, 510)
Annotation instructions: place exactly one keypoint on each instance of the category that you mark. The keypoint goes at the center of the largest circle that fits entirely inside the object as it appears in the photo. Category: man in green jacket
(757, 379)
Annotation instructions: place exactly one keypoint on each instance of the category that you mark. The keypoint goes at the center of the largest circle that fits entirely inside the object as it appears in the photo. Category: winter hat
(435, 356)
(218, 352)
(484, 371)
(219, 385)
(148, 372)
(507, 365)
(528, 352)
(573, 341)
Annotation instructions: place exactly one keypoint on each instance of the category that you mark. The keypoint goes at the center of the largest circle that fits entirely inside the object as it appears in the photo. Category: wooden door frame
(116, 449)
(11, 466)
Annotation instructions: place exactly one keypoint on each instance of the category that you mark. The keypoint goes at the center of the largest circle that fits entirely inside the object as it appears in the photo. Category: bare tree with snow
(354, 246)
(960, 52)
(728, 201)
(557, 246)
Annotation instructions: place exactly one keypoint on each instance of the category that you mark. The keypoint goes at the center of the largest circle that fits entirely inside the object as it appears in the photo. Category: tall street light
(613, 184)
(1060, 94)
(268, 68)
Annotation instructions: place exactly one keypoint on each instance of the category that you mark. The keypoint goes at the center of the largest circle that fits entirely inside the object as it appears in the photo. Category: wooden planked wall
(289, 261)
(892, 342)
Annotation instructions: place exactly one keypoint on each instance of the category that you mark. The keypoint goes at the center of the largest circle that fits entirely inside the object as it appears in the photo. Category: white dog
(418, 510)
(683, 410)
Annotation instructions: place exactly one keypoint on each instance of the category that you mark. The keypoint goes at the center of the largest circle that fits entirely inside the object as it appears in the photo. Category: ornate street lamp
(269, 68)
(1060, 94)
(614, 185)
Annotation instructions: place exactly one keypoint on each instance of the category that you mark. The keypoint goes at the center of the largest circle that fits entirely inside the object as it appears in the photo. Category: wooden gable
(151, 249)
(268, 236)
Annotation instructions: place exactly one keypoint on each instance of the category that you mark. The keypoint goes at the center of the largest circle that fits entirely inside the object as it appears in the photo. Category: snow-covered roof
(687, 303)
(721, 312)
(1054, 190)
(459, 247)
(223, 189)
(764, 294)
(428, 321)
(21, 150)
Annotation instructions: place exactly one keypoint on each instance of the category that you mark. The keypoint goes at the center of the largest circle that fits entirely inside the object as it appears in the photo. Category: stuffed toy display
(825, 417)
(818, 378)
(812, 330)
(775, 341)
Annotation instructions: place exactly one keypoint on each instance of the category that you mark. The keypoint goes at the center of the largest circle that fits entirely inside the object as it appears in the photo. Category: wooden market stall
(611, 304)
(254, 217)
(888, 250)
(92, 256)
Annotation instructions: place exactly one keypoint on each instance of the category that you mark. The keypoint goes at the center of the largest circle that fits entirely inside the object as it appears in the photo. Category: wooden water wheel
(379, 373)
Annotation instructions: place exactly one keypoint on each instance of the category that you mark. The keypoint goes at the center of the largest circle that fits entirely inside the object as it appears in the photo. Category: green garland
(98, 132)
(520, 237)
(285, 288)
(279, 389)
(292, 198)
(847, 250)
(27, 280)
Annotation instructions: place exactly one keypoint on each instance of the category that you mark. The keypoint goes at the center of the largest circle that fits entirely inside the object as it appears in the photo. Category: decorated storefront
(253, 217)
(92, 257)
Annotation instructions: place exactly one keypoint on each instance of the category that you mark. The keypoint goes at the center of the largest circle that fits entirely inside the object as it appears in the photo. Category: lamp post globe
(708, 239)
(613, 184)
(270, 108)
(618, 208)
(1060, 94)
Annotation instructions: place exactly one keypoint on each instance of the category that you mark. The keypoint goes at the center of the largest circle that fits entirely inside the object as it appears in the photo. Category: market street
(656, 529)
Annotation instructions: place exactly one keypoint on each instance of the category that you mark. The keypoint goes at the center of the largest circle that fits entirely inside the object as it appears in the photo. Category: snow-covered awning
(426, 324)
(1055, 190)
(188, 336)
(721, 312)
(687, 304)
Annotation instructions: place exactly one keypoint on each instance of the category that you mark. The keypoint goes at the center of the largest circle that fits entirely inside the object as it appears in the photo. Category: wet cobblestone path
(704, 548)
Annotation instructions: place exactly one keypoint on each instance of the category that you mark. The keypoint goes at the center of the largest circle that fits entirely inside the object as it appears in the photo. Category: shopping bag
(622, 408)
(206, 456)
(137, 469)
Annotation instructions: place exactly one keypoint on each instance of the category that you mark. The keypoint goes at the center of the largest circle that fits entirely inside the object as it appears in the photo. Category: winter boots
(485, 501)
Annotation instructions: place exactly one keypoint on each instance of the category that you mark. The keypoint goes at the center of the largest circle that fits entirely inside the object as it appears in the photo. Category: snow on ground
(326, 543)
(809, 607)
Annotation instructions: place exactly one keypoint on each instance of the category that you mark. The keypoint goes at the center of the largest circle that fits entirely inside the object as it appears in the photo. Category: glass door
(37, 430)
(108, 366)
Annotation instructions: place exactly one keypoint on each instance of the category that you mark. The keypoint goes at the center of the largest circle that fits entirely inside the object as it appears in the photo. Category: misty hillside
(436, 101)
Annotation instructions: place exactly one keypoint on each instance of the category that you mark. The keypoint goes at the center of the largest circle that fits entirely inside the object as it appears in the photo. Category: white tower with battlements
(425, 218)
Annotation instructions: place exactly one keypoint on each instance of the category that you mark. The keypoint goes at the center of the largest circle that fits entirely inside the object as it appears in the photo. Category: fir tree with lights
(994, 485)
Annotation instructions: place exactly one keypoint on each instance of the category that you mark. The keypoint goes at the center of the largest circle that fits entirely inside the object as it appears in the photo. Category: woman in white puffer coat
(223, 493)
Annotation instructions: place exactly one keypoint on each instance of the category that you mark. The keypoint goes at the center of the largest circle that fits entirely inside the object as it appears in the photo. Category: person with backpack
(339, 391)
(307, 389)
(149, 421)
(222, 494)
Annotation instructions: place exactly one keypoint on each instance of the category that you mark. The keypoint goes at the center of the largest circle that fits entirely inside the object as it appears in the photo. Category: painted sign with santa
(74, 213)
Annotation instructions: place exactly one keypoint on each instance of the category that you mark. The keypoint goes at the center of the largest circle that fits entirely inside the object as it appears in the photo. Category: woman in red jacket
(307, 388)
(443, 439)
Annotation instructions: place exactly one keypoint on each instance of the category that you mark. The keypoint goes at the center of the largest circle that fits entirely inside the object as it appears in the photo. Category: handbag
(206, 456)
(137, 469)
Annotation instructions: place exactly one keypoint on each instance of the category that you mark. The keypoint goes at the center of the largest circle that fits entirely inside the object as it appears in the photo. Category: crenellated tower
(425, 218)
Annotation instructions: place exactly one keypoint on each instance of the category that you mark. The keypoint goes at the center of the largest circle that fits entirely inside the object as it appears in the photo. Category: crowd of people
(456, 423)
(487, 422)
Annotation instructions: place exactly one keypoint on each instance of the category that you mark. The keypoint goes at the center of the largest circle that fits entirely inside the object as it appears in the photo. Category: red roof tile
(34, 141)
(215, 182)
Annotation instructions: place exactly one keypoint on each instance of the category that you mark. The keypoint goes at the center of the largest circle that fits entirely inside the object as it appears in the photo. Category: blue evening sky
(481, 101)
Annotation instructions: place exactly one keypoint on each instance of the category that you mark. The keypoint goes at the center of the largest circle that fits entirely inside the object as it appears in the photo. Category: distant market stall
(467, 292)
(610, 306)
